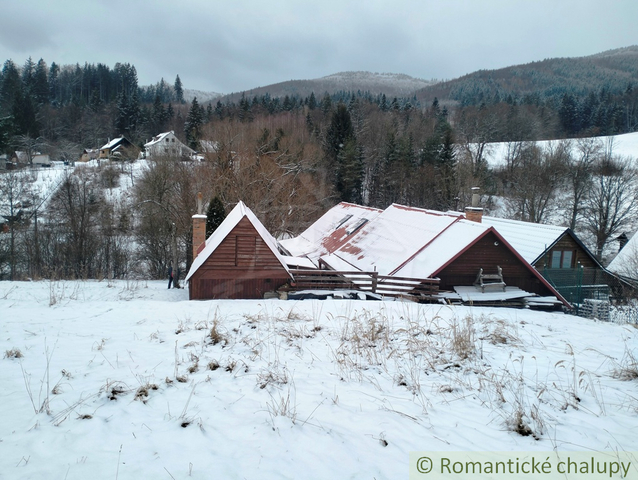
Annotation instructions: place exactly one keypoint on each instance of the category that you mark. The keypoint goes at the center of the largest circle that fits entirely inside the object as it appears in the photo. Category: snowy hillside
(352, 81)
(625, 145)
(202, 97)
(390, 84)
(125, 380)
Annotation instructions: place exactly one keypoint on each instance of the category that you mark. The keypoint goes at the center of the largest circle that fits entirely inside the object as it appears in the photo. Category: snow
(393, 237)
(374, 82)
(626, 262)
(329, 232)
(112, 143)
(304, 389)
(531, 240)
(625, 145)
(473, 294)
(448, 244)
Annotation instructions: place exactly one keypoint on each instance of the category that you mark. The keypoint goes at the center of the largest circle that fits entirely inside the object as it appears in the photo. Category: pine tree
(40, 83)
(215, 215)
(11, 86)
(28, 71)
(54, 72)
(179, 91)
(312, 101)
(339, 131)
(158, 116)
(193, 125)
(170, 113)
(350, 172)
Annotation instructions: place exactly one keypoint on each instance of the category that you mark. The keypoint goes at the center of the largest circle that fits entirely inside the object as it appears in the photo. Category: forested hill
(613, 71)
(390, 84)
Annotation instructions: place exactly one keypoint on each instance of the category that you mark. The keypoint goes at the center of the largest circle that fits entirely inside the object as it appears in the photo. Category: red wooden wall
(488, 253)
(242, 266)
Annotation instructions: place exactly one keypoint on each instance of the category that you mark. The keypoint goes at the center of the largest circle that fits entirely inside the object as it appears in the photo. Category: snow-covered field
(129, 380)
(625, 146)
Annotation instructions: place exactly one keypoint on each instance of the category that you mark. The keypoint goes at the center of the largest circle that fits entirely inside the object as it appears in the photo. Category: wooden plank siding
(416, 288)
(488, 253)
(566, 243)
(242, 266)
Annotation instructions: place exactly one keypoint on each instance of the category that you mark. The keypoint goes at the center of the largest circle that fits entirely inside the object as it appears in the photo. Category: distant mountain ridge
(390, 84)
(614, 70)
(202, 97)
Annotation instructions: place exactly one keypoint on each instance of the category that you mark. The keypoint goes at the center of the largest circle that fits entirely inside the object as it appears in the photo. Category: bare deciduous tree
(612, 203)
(579, 177)
(533, 180)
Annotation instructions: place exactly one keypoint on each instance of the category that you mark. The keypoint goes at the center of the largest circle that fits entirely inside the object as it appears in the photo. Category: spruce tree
(215, 215)
(179, 90)
(193, 125)
(40, 83)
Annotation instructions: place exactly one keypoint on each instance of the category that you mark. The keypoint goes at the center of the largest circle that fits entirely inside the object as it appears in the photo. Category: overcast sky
(229, 46)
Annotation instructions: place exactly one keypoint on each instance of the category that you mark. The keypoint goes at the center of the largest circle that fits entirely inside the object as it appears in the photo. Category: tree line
(290, 159)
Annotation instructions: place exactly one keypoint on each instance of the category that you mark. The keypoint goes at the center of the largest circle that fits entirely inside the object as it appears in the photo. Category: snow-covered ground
(625, 146)
(129, 380)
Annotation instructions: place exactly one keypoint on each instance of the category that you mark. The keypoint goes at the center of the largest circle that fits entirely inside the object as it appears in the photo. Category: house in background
(88, 154)
(20, 157)
(167, 145)
(41, 160)
(119, 148)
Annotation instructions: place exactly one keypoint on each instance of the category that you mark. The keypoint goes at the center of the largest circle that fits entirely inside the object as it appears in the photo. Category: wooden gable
(488, 253)
(242, 266)
(567, 243)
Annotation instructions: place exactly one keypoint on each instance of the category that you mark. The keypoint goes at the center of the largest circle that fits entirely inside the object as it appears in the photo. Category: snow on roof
(299, 262)
(394, 236)
(112, 143)
(448, 244)
(208, 146)
(626, 261)
(330, 231)
(337, 263)
(158, 138)
(531, 240)
(234, 217)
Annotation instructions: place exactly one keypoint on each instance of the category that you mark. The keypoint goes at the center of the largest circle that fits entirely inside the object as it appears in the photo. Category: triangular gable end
(530, 268)
(233, 219)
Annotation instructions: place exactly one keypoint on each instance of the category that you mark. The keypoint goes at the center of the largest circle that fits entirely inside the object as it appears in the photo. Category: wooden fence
(414, 288)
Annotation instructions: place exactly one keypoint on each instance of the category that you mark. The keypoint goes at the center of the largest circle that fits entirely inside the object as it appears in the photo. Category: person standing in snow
(170, 276)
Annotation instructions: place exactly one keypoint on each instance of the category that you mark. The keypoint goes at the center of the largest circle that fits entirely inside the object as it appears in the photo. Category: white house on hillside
(167, 144)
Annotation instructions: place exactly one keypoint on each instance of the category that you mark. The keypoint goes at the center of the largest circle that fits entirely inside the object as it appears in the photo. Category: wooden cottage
(561, 257)
(119, 148)
(407, 242)
(239, 260)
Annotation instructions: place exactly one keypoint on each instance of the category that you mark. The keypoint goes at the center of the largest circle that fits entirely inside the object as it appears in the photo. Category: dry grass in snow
(129, 380)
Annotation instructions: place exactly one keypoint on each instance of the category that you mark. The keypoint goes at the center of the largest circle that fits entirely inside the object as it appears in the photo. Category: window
(343, 220)
(357, 226)
(562, 259)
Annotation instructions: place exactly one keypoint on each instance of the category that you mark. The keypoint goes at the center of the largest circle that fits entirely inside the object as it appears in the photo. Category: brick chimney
(199, 226)
(474, 213)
